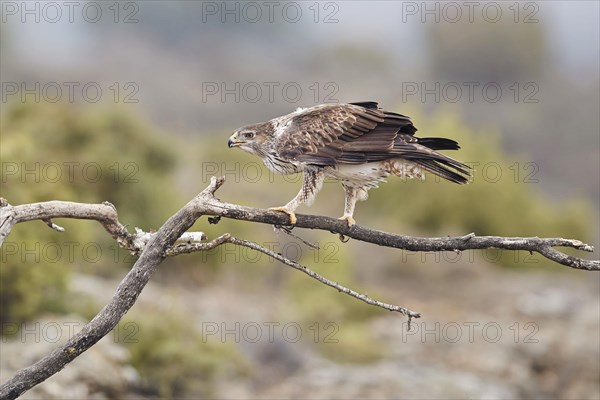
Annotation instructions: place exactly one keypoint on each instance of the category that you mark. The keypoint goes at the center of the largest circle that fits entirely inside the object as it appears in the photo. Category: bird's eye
(248, 135)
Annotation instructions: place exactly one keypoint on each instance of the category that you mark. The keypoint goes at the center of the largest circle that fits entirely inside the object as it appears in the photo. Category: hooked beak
(232, 143)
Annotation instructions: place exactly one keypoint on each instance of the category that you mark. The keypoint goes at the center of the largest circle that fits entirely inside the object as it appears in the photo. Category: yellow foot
(349, 220)
(288, 212)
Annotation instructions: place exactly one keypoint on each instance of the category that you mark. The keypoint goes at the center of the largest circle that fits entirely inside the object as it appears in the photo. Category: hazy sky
(572, 26)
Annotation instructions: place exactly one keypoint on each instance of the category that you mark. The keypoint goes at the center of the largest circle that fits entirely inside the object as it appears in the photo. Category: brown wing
(358, 133)
(342, 133)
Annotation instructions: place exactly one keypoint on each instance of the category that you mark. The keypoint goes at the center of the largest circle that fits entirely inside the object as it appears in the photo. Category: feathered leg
(313, 182)
(350, 202)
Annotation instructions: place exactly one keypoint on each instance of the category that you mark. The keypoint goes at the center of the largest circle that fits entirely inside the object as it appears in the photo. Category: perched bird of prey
(358, 144)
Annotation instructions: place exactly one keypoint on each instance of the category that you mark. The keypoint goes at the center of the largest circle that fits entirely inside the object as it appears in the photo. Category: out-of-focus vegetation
(318, 304)
(86, 155)
(62, 152)
(156, 341)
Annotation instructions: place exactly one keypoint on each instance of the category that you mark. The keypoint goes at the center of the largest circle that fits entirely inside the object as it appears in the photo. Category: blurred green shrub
(338, 319)
(89, 154)
(171, 357)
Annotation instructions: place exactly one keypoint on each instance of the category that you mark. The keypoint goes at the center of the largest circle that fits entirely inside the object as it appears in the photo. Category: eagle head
(251, 138)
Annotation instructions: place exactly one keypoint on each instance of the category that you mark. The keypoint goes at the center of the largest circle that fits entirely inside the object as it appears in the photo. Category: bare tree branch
(104, 213)
(543, 246)
(172, 239)
(214, 206)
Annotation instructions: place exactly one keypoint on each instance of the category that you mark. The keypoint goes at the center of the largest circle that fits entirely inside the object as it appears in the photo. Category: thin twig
(322, 279)
(186, 248)
(52, 225)
(288, 231)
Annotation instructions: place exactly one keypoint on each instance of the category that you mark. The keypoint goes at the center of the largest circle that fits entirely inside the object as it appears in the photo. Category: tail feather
(444, 170)
(435, 143)
(438, 163)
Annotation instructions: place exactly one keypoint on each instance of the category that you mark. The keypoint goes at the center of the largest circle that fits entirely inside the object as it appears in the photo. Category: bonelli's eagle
(358, 144)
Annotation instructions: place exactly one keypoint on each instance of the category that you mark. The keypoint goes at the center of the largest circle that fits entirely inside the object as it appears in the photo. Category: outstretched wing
(358, 133)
